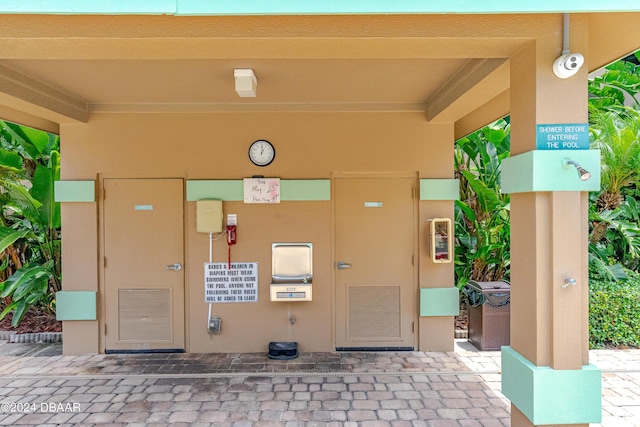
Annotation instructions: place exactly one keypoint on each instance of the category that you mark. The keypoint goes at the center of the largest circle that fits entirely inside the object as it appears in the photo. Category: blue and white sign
(570, 136)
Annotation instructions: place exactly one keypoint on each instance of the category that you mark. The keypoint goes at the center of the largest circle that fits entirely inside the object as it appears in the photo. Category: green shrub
(614, 313)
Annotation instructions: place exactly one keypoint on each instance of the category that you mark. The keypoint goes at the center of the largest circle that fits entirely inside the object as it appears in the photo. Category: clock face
(262, 153)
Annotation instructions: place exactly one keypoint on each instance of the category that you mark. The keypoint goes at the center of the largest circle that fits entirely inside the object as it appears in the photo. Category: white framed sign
(261, 190)
(236, 284)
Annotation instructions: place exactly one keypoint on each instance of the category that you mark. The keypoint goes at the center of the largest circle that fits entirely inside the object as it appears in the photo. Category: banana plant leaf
(8, 236)
(22, 199)
(43, 191)
(19, 309)
(10, 162)
(26, 280)
(487, 197)
(33, 141)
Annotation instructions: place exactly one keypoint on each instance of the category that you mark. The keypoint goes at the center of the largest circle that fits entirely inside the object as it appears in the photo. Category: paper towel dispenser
(291, 271)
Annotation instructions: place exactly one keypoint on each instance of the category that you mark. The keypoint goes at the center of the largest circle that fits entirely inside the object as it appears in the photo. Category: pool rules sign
(236, 284)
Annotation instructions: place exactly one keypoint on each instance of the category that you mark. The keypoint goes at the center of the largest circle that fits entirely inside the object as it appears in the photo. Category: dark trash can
(283, 350)
(489, 314)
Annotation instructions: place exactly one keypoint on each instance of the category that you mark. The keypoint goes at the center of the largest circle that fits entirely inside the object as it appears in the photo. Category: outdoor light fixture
(568, 63)
(246, 82)
(582, 172)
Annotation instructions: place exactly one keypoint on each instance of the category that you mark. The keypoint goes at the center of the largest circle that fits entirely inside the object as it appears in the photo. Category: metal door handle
(342, 265)
(175, 267)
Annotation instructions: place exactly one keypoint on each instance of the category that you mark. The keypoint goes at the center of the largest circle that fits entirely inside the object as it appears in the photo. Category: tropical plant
(619, 243)
(619, 84)
(615, 131)
(614, 118)
(29, 220)
(482, 227)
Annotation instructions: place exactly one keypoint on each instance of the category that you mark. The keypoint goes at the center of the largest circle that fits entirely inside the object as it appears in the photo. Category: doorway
(143, 258)
(375, 240)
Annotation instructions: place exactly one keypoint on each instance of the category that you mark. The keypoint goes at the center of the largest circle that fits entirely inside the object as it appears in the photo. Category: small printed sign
(143, 207)
(236, 284)
(573, 136)
(372, 204)
(261, 190)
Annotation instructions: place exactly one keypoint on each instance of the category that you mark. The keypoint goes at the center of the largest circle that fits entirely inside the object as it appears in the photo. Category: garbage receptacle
(489, 314)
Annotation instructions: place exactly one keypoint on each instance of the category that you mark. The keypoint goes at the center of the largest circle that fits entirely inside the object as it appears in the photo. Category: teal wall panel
(543, 170)
(111, 7)
(75, 305)
(75, 191)
(233, 190)
(270, 7)
(439, 189)
(226, 190)
(199, 7)
(547, 396)
(305, 189)
(439, 301)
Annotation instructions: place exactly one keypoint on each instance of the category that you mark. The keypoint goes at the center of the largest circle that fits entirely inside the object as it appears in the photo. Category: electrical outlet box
(209, 216)
(215, 324)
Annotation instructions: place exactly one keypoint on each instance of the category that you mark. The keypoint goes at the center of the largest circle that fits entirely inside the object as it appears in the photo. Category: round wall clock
(261, 152)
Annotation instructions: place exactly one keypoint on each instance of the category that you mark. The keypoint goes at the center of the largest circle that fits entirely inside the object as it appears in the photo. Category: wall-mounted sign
(143, 207)
(261, 190)
(236, 284)
(373, 204)
(562, 136)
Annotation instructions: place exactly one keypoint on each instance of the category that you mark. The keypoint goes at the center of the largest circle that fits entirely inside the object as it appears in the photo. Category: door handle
(342, 265)
(175, 267)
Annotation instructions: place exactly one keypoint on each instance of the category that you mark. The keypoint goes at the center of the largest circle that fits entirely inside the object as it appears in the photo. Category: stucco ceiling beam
(22, 118)
(255, 48)
(472, 74)
(31, 96)
(296, 26)
(255, 107)
(494, 109)
(606, 42)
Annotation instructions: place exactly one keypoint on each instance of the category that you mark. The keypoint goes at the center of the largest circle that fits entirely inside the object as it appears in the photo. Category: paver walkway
(458, 388)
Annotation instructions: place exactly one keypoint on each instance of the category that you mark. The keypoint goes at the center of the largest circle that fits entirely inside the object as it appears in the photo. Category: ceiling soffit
(404, 64)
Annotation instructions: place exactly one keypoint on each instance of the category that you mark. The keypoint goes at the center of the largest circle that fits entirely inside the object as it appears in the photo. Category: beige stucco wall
(214, 146)
(435, 332)
(80, 271)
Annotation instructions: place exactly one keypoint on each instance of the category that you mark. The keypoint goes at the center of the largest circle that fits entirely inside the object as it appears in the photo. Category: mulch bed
(462, 319)
(36, 320)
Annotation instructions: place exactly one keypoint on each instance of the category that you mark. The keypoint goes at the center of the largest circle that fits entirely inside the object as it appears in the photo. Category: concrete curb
(12, 337)
(37, 337)
(6, 335)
